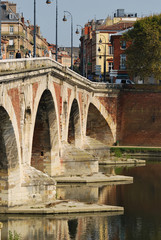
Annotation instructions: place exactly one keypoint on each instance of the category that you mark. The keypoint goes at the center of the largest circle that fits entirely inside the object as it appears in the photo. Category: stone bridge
(50, 116)
(55, 122)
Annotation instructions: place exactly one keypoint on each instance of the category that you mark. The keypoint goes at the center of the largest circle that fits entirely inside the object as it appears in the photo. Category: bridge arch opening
(45, 147)
(97, 127)
(9, 160)
(74, 129)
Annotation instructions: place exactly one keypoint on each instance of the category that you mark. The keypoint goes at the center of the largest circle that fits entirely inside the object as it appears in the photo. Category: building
(64, 58)
(97, 47)
(4, 44)
(19, 33)
(119, 55)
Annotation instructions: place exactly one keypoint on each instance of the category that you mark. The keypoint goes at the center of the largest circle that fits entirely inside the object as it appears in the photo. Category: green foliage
(14, 236)
(76, 69)
(134, 149)
(144, 54)
(117, 152)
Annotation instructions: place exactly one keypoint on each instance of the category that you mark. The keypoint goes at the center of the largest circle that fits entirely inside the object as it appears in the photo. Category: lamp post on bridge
(56, 42)
(0, 31)
(99, 49)
(34, 37)
(34, 52)
(77, 32)
(65, 19)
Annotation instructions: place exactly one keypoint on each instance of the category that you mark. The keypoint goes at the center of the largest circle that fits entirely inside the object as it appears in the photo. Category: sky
(82, 11)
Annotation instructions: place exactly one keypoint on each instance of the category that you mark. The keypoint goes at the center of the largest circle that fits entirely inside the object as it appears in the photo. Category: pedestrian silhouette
(18, 54)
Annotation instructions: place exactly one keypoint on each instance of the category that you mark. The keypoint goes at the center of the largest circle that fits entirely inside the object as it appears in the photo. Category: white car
(123, 81)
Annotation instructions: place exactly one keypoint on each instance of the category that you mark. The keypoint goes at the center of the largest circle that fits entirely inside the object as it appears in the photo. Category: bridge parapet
(25, 67)
(15, 65)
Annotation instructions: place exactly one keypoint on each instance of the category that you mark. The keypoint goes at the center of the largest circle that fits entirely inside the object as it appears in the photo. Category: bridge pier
(1, 226)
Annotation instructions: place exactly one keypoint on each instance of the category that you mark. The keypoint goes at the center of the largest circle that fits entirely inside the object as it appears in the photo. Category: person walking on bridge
(18, 54)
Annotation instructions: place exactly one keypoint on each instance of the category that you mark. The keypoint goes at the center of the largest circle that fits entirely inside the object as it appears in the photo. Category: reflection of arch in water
(74, 126)
(72, 226)
(97, 125)
(45, 149)
(9, 161)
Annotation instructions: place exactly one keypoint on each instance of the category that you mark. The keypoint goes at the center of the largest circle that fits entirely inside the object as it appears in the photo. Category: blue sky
(82, 11)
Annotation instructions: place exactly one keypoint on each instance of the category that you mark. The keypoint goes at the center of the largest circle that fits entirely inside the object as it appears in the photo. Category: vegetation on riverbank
(119, 151)
(14, 236)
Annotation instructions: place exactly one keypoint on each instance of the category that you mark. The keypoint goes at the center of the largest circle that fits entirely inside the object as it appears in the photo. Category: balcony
(11, 47)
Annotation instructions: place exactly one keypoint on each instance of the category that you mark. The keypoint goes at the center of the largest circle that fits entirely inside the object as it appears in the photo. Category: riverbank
(136, 152)
(122, 160)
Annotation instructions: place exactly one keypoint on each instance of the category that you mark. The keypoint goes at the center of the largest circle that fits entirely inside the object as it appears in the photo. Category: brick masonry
(139, 115)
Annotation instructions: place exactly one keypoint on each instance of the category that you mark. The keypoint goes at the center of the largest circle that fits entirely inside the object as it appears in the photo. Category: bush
(14, 236)
(118, 153)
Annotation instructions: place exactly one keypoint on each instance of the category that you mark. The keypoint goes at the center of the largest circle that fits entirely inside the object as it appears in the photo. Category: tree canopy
(144, 52)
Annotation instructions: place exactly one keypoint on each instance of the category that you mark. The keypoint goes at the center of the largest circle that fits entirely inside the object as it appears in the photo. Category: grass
(118, 151)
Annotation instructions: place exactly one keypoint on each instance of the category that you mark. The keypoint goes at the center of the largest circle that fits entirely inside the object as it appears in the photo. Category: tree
(144, 52)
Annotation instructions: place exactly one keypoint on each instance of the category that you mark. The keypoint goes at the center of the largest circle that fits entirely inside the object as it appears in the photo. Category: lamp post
(48, 2)
(99, 49)
(65, 19)
(34, 53)
(0, 31)
(77, 32)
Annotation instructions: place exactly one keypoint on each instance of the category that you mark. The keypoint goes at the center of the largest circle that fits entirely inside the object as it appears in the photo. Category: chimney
(12, 6)
(22, 20)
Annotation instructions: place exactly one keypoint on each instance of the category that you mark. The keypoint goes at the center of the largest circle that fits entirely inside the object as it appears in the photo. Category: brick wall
(139, 118)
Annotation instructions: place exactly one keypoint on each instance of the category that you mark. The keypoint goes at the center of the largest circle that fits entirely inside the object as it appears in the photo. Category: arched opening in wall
(97, 127)
(45, 148)
(9, 161)
(74, 130)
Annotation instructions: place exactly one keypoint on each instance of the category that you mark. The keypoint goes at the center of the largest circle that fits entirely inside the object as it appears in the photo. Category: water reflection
(141, 220)
(59, 228)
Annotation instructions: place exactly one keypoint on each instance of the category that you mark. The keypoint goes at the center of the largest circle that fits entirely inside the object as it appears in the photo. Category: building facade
(18, 33)
(119, 56)
(97, 47)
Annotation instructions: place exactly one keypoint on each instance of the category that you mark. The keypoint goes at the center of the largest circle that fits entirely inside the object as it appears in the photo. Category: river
(141, 219)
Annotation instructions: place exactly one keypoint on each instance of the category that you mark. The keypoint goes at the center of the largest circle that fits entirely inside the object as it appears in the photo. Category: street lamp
(77, 32)
(65, 19)
(34, 53)
(99, 49)
(0, 31)
(48, 2)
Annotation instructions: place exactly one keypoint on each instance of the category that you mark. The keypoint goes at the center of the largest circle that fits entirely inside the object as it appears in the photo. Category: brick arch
(9, 155)
(74, 108)
(105, 115)
(10, 111)
(50, 148)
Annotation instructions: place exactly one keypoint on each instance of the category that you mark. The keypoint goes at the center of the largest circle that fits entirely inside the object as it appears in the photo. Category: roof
(122, 32)
(6, 13)
(117, 26)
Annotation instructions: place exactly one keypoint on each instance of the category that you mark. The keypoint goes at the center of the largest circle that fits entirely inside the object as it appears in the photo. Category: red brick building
(119, 55)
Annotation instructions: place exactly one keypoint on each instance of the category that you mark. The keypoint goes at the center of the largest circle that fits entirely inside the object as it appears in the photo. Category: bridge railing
(19, 64)
(9, 66)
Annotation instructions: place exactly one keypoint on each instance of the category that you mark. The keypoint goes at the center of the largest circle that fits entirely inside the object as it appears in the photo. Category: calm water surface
(141, 220)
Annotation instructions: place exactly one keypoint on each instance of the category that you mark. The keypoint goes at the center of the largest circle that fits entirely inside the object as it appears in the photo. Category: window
(11, 16)
(11, 55)
(123, 61)
(110, 66)
(11, 29)
(110, 50)
(123, 44)
(11, 42)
